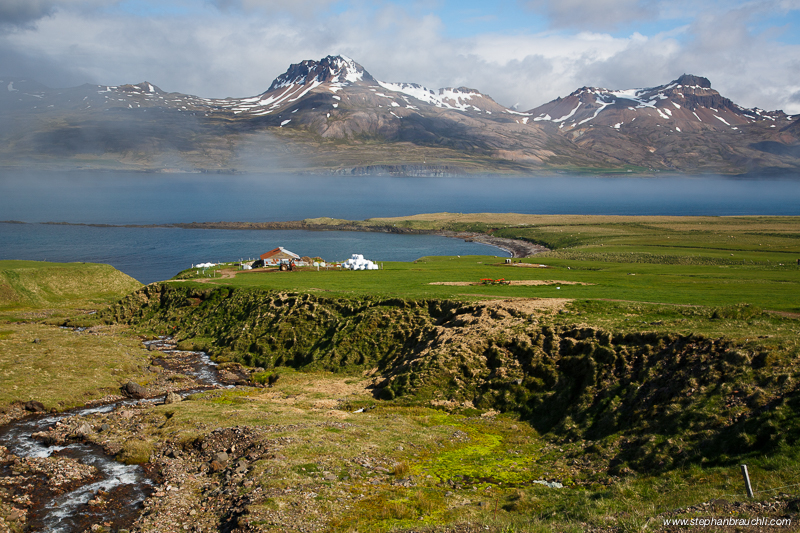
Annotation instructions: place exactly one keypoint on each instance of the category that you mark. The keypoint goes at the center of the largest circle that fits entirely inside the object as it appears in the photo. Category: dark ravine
(627, 392)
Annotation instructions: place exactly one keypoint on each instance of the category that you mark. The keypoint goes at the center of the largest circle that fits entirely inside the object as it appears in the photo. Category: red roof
(277, 251)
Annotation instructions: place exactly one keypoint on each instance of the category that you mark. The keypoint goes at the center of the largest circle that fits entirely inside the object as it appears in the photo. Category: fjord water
(151, 254)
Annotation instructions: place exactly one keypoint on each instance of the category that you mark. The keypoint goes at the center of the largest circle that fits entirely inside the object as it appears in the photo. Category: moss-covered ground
(335, 459)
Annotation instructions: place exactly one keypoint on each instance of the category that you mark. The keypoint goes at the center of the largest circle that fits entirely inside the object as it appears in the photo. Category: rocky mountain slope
(333, 116)
(685, 125)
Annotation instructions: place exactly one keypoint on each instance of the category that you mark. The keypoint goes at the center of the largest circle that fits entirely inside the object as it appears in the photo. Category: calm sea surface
(155, 254)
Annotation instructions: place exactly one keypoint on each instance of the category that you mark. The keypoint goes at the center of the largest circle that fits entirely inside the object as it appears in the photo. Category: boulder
(222, 457)
(82, 430)
(134, 390)
(34, 406)
(172, 397)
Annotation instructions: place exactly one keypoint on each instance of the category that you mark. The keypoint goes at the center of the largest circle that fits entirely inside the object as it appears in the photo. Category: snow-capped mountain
(331, 115)
(688, 103)
(684, 125)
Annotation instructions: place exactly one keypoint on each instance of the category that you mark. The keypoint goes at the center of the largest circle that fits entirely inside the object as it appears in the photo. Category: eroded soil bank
(648, 401)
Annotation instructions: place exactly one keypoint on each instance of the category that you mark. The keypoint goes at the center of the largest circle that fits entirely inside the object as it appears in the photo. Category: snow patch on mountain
(447, 98)
(603, 105)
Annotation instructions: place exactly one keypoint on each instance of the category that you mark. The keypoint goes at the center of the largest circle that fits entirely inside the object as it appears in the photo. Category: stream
(123, 486)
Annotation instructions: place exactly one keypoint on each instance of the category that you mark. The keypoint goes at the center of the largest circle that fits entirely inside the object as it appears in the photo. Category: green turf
(26, 284)
(768, 286)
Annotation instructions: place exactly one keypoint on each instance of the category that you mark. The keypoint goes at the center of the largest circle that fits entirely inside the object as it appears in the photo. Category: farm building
(279, 255)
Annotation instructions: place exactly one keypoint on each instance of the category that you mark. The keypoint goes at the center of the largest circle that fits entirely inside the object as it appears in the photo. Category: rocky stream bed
(58, 471)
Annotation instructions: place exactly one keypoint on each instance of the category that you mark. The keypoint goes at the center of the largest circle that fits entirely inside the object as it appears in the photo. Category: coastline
(517, 248)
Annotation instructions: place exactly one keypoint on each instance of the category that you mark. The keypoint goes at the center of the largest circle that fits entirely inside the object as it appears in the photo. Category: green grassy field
(58, 367)
(36, 284)
(581, 275)
(664, 354)
(700, 261)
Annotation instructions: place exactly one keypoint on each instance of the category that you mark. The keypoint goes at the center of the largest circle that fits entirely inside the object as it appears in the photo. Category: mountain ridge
(332, 115)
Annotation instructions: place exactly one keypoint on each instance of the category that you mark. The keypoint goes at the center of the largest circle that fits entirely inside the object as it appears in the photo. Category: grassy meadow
(665, 349)
(59, 367)
(701, 261)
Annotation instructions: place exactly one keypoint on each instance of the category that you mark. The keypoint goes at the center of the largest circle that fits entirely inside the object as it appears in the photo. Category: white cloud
(239, 50)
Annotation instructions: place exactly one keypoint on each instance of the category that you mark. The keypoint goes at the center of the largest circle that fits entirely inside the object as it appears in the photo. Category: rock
(34, 406)
(329, 477)
(36, 341)
(83, 430)
(45, 437)
(134, 390)
(222, 457)
(105, 427)
(172, 397)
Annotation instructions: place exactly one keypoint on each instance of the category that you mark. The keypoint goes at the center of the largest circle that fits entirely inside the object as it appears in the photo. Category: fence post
(747, 482)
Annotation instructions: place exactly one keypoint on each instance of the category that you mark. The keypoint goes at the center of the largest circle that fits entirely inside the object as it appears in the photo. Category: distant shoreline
(517, 248)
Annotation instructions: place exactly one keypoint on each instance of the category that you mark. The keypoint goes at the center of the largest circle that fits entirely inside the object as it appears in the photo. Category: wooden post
(747, 482)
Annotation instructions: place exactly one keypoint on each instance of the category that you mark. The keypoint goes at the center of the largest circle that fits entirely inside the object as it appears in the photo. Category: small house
(279, 255)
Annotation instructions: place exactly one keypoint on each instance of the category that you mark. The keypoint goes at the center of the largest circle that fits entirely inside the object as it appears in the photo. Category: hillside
(54, 285)
(332, 116)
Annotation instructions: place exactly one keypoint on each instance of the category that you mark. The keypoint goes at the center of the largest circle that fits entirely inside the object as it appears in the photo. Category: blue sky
(522, 52)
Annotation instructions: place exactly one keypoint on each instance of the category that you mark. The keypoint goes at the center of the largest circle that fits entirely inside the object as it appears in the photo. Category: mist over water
(152, 254)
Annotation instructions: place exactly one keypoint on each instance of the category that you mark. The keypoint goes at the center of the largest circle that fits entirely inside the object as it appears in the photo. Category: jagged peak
(693, 81)
(337, 69)
(144, 86)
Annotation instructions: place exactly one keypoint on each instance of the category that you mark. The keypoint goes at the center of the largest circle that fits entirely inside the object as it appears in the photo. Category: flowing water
(125, 486)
